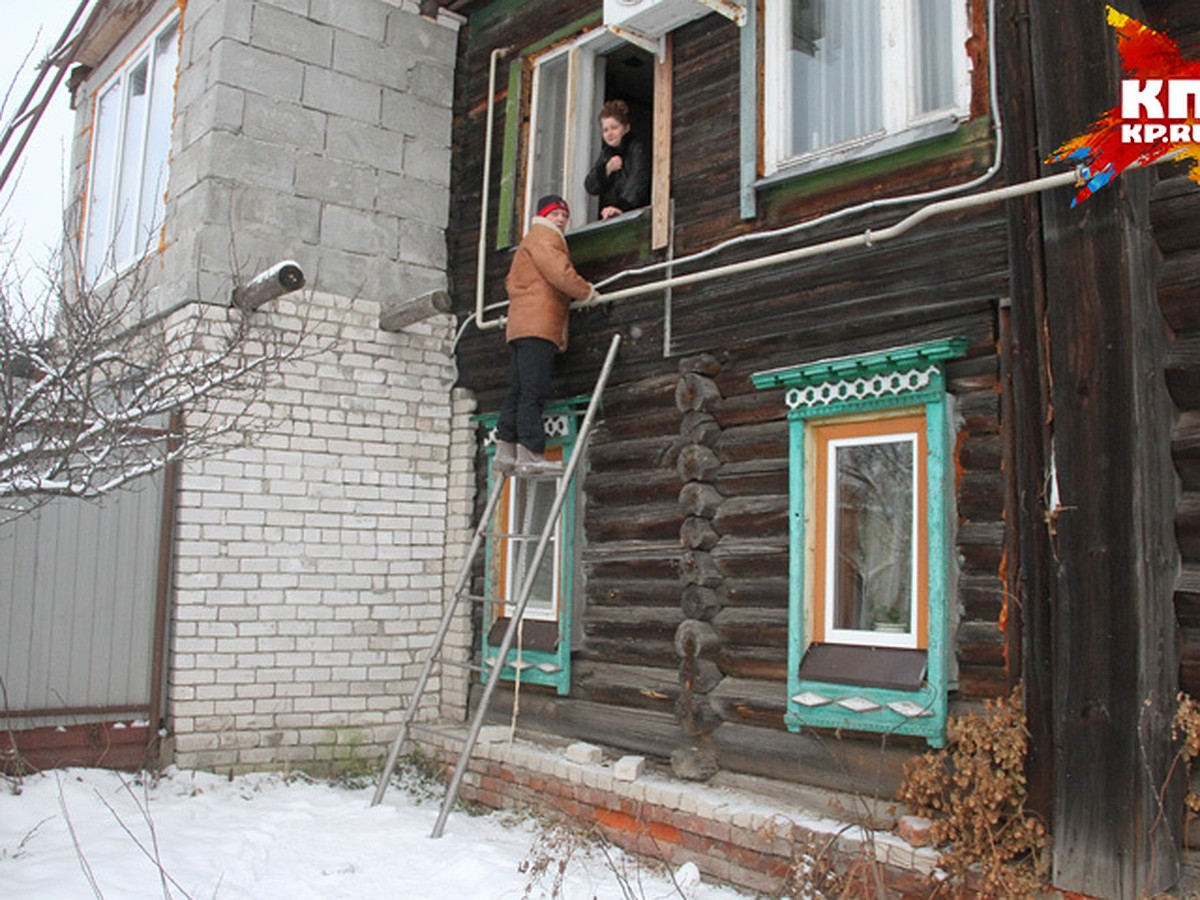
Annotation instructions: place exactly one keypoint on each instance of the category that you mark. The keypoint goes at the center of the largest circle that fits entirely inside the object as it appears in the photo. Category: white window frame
(901, 126)
(518, 492)
(100, 256)
(865, 637)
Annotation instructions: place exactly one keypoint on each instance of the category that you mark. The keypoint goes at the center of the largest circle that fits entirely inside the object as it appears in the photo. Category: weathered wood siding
(687, 483)
(687, 486)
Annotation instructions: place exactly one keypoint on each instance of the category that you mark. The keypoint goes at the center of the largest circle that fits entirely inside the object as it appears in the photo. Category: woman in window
(620, 176)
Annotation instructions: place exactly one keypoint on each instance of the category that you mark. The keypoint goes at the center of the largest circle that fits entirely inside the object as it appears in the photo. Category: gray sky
(35, 206)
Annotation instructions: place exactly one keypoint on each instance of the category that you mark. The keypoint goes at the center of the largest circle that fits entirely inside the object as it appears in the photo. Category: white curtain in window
(835, 73)
(934, 43)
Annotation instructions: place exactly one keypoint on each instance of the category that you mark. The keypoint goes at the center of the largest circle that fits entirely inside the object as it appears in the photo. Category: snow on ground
(90, 833)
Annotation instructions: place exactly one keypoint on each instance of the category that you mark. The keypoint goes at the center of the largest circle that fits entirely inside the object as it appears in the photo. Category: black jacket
(628, 187)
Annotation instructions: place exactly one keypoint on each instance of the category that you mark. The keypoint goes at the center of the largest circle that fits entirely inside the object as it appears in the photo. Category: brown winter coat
(541, 285)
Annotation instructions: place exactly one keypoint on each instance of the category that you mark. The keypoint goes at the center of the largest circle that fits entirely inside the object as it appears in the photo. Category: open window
(570, 85)
(871, 501)
(552, 136)
(131, 142)
(844, 79)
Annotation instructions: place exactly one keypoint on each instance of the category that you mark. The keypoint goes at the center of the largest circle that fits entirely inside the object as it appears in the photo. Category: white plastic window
(845, 78)
(131, 140)
(871, 541)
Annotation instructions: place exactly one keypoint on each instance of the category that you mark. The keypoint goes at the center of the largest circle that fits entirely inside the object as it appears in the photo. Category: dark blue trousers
(529, 369)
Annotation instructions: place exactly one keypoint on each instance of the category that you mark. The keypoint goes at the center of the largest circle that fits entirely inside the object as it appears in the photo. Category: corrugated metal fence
(81, 609)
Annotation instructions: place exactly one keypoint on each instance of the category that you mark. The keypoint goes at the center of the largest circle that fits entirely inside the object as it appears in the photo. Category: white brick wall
(311, 565)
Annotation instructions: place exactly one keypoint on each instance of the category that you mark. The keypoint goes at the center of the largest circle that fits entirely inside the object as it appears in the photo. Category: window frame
(516, 196)
(114, 259)
(901, 128)
(874, 387)
(832, 433)
(536, 666)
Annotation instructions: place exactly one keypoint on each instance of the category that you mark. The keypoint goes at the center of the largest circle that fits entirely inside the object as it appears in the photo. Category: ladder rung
(488, 601)
(511, 536)
(472, 667)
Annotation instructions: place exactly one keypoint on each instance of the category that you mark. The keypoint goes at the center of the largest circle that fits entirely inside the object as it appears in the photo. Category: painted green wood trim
(564, 406)
(893, 360)
(934, 694)
(508, 167)
(971, 138)
(748, 105)
(507, 202)
(884, 719)
(604, 241)
(797, 554)
(938, 561)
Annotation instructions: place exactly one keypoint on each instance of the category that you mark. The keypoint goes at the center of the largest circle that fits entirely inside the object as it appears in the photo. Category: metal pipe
(481, 252)
(867, 238)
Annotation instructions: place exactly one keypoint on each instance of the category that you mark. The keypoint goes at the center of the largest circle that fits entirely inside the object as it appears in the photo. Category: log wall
(685, 560)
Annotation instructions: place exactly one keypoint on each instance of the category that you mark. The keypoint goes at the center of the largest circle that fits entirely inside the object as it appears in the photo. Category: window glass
(934, 37)
(158, 136)
(548, 167)
(871, 541)
(843, 75)
(129, 158)
(529, 507)
(129, 187)
(102, 184)
(833, 69)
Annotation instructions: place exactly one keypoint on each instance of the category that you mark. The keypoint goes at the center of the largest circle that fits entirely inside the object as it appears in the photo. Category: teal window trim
(894, 379)
(542, 667)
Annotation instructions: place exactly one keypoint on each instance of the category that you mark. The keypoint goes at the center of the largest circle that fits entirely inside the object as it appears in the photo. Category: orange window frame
(822, 435)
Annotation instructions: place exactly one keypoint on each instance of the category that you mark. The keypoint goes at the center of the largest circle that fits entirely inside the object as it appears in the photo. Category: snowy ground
(89, 833)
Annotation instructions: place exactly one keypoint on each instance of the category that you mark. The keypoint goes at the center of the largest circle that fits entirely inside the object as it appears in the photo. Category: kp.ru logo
(1159, 112)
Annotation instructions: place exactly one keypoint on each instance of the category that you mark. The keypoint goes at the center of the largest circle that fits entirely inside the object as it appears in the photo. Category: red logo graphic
(1159, 112)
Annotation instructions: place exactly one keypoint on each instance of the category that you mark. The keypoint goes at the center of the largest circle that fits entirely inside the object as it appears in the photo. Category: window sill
(625, 234)
(940, 142)
(862, 149)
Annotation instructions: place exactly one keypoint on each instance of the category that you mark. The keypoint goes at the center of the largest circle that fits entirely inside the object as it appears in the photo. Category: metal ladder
(529, 576)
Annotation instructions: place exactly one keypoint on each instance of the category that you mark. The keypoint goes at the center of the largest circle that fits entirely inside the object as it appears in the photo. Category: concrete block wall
(310, 563)
(317, 130)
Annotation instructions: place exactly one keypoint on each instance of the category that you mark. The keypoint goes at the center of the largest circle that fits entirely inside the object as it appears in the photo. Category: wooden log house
(981, 432)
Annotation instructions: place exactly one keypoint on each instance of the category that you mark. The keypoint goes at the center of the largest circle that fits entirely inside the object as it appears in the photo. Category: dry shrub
(973, 791)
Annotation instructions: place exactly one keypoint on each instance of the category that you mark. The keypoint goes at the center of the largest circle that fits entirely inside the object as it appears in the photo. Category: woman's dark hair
(615, 109)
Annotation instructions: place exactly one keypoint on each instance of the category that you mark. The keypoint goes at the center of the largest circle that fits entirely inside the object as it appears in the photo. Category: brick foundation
(733, 835)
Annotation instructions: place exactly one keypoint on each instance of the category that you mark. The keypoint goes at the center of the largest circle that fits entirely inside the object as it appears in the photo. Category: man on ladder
(541, 284)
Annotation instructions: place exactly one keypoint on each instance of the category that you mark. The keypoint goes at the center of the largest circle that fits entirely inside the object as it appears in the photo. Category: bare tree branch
(96, 390)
